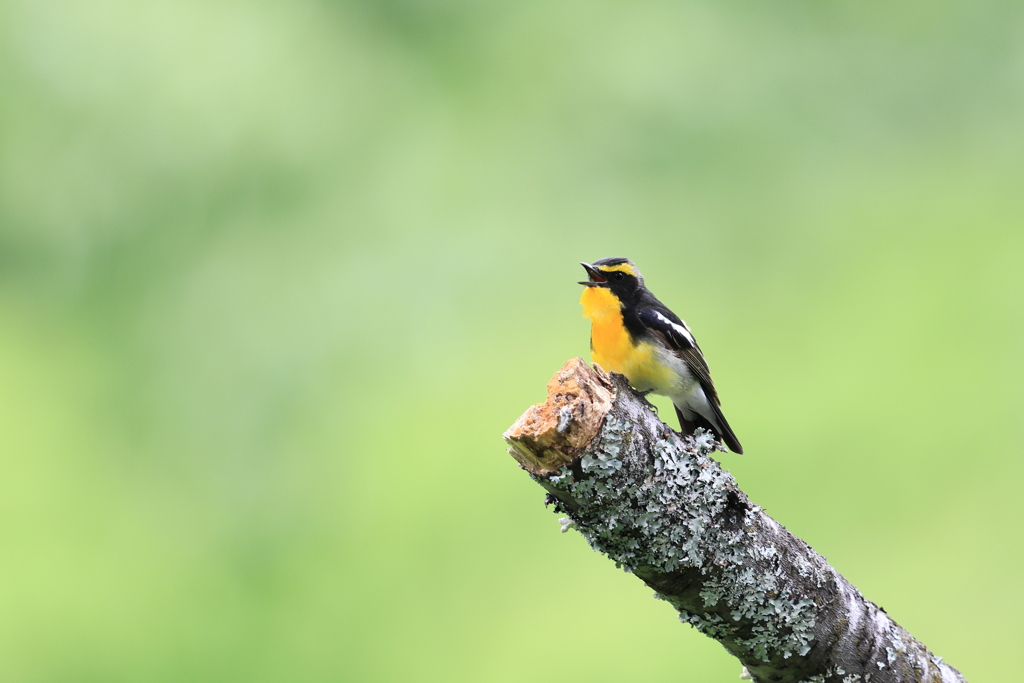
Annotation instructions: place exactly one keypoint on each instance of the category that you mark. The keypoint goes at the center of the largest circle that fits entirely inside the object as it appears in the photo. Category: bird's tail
(722, 430)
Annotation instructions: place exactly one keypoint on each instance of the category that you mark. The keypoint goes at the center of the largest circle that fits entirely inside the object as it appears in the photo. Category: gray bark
(658, 505)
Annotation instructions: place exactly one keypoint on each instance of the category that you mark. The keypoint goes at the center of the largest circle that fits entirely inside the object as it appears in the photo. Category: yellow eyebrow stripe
(624, 267)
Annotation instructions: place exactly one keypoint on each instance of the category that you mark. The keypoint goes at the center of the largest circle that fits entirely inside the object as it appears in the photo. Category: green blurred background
(275, 276)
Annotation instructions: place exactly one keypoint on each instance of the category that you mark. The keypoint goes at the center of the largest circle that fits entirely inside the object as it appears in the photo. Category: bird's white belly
(685, 391)
(682, 383)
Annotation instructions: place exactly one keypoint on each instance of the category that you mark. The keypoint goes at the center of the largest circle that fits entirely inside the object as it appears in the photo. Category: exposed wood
(554, 433)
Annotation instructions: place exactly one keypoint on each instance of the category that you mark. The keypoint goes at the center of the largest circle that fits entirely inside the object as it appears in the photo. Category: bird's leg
(644, 395)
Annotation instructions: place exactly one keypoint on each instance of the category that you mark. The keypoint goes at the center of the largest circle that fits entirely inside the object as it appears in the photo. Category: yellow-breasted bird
(636, 335)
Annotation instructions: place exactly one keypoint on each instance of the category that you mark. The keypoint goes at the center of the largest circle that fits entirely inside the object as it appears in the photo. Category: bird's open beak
(596, 279)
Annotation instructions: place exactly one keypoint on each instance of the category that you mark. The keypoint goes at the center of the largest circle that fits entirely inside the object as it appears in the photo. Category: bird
(634, 334)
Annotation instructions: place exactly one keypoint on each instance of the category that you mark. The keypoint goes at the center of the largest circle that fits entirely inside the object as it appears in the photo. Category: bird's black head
(620, 275)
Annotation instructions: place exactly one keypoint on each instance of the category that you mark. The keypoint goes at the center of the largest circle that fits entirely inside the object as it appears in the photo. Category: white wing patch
(680, 329)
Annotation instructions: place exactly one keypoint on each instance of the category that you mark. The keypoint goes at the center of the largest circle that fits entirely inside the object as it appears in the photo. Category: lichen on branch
(663, 509)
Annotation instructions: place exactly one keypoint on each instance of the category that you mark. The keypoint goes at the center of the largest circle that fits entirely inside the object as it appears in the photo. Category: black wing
(676, 336)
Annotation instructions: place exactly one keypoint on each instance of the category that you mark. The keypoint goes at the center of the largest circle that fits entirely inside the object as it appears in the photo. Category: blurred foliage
(274, 277)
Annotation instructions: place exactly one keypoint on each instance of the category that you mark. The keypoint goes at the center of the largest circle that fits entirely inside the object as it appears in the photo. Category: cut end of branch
(554, 433)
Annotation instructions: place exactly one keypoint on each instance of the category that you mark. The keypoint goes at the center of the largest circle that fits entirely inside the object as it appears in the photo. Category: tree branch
(661, 508)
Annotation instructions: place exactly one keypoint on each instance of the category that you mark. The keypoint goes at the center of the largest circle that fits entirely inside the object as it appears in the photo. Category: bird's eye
(618, 275)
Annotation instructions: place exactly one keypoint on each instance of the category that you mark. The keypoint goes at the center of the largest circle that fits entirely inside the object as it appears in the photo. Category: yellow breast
(612, 348)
